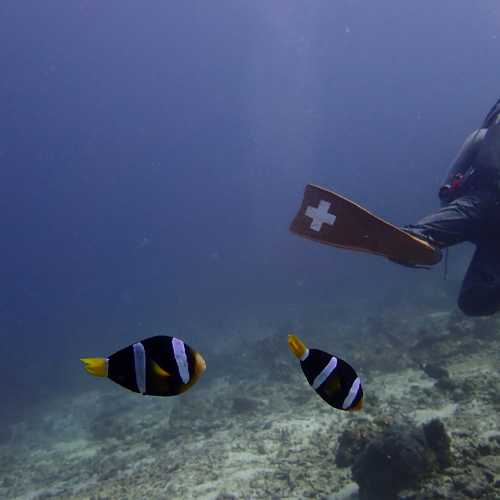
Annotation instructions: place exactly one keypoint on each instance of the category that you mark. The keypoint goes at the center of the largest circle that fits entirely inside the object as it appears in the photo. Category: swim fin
(329, 218)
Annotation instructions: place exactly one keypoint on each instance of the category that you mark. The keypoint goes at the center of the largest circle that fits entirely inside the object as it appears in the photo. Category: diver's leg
(454, 223)
(480, 293)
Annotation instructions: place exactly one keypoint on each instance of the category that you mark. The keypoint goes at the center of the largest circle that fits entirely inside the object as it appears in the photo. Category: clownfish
(332, 378)
(156, 366)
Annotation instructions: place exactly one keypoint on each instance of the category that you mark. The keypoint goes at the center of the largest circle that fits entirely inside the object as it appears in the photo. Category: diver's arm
(461, 168)
(466, 155)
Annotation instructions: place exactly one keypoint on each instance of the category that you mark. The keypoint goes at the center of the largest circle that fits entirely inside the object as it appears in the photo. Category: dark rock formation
(352, 442)
(400, 458)
(439, 441)
(435, 371)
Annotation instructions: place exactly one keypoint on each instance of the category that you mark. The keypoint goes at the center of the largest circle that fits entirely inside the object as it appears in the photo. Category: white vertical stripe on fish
(353, 392)
(181, 359)
(304, 356)
(325, 372)
(140, 367)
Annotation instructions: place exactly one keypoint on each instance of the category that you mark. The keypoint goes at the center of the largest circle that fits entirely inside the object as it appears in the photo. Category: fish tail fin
(358, 406)
(296, 345)
(96, 366)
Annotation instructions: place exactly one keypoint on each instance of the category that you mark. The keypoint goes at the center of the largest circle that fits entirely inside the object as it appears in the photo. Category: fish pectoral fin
(96, 366)
(332, 386)
(158, 370)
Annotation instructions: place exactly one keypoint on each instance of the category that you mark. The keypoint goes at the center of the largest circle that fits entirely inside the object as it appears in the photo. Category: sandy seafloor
(257, 431)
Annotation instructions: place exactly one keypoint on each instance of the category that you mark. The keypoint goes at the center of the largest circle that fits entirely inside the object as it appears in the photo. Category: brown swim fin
(327, 217)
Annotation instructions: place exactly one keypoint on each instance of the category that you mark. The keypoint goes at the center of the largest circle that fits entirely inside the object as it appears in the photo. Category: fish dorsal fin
(158, 370)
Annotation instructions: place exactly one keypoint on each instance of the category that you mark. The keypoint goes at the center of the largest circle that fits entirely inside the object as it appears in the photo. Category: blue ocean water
(152, 156)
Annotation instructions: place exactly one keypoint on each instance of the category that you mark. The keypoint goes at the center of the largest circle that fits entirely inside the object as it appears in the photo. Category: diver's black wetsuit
(470, 211)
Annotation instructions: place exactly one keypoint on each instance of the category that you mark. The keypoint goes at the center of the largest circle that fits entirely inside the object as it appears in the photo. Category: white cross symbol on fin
(320, 215)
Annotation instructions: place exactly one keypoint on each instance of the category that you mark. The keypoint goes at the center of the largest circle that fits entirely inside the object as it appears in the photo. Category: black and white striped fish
(332, 378)
(156, 366)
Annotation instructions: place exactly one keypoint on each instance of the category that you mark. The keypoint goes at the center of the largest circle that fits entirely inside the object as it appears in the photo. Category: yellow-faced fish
(332, 378)
(156, 366)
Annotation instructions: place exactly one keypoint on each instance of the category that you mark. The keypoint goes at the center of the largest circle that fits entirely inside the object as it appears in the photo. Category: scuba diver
(470, 211)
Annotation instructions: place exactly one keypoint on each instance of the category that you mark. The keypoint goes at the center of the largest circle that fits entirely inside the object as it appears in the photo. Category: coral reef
(254, 429)
(399, 459)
